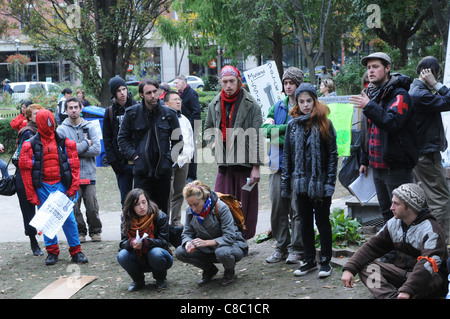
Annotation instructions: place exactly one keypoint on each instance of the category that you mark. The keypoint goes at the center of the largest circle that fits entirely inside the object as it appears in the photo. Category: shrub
(344, 230)
(8, 136)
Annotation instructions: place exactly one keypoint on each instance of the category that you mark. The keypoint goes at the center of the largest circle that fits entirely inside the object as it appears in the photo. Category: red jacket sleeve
(18, 122)
(26, 166)
(74, 161)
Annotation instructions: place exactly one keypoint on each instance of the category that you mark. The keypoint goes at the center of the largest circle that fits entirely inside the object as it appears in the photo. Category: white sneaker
(275, 257)
(293, 258)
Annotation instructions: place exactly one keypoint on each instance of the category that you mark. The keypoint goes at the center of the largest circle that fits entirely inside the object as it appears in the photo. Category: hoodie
(80, 134)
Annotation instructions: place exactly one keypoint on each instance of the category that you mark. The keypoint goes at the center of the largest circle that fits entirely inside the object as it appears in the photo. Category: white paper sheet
(52, 214)
(363, 188)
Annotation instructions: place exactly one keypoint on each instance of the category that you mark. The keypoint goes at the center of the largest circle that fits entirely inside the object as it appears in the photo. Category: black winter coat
(428, 108)
(111, 125)
(190, 106)
(392, 113)
(150, 135)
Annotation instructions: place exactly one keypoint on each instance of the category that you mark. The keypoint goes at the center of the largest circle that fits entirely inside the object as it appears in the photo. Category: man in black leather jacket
(432, 140)
(148, 137)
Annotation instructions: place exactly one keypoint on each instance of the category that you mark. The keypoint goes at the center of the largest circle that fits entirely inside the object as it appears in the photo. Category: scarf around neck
(205, 211)
(226, 120)
(142, 224)
(313, 187)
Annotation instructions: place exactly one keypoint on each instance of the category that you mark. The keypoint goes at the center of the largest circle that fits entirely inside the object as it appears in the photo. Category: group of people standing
(403, 136)
(149, 143)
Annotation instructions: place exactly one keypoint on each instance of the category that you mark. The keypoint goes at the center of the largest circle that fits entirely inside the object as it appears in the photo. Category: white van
(22, 90)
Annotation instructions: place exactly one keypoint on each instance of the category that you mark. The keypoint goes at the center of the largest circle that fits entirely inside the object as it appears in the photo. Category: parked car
(317, 69)
(23, 90)
(133, 83)
(194, 82)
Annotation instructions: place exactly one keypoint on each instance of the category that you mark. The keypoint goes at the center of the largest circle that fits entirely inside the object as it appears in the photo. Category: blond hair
(197, 189)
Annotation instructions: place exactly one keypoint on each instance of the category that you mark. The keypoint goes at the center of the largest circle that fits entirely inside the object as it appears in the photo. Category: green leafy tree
(309, 20)
(99, 36)
(399, 21)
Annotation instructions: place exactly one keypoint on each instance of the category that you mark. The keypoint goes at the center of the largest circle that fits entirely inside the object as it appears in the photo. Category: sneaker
(325, 267)
(306, 267)
(82, 238)
(96, 237)
(293, 258)
(275, 257)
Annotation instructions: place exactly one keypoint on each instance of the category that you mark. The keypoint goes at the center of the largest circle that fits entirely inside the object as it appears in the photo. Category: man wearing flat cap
(388, 129)
(232, 130)
(419, 269)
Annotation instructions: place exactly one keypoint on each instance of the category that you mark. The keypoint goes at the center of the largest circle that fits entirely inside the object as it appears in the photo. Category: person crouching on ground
(151, 254)
(419, 269)
(210, 235)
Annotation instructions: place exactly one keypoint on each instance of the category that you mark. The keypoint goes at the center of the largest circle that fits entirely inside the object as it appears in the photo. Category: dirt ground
(23, 275)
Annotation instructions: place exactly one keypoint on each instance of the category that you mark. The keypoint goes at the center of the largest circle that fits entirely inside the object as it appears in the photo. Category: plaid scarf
(375, 155)
(205, 211)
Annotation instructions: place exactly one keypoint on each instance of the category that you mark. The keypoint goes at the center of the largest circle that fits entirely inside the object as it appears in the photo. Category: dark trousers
(125, 182)
(320, 211)
(28, 209)
(386, 180)
(157, 189)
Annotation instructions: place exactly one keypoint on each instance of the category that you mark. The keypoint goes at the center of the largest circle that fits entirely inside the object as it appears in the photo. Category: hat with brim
(376, 55)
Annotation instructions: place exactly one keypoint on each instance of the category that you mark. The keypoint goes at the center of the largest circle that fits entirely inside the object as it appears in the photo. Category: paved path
(12, 229)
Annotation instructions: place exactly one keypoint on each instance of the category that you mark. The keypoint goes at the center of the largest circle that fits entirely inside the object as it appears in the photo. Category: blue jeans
(4, 168)
(158, 260)
(69, 227)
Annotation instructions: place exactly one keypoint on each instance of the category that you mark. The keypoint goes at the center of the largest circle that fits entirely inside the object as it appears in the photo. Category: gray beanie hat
(305, 87)
(412, 195)
(295, 74)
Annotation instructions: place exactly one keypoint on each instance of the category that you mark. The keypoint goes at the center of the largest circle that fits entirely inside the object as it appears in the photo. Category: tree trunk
(278, 48)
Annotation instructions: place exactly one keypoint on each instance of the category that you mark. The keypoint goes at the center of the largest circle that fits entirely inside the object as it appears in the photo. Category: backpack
(235, 208)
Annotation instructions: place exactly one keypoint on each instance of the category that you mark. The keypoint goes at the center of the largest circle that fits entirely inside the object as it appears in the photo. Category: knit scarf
(205, 211)
(142, 224)
(226, 119)
(313, 187)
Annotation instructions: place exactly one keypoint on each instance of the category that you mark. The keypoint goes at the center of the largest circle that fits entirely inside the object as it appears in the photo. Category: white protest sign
(52, 214)
(446, 115)
(265, 86)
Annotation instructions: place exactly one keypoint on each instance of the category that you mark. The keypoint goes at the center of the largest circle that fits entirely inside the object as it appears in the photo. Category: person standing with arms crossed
(88, 147)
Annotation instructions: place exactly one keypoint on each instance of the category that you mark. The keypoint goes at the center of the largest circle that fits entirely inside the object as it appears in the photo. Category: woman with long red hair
(310, 157)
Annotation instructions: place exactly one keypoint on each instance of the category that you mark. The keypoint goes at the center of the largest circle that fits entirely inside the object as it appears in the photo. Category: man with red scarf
(232, 128)
(49, 162)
